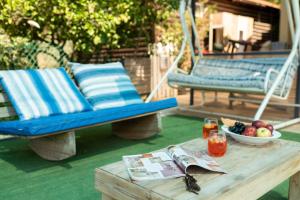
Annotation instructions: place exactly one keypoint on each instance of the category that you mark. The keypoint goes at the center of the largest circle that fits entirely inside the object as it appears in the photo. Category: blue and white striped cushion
(105, 85)
(39, 93)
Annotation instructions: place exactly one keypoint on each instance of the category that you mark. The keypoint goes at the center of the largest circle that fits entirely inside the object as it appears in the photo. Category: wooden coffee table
(252, 171)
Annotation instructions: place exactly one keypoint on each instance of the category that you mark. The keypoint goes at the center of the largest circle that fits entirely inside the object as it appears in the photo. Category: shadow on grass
(89, 142)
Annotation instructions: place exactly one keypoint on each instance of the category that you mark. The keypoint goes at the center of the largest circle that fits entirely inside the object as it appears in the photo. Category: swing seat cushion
(220, 73)
(66, 122)
(105, 85)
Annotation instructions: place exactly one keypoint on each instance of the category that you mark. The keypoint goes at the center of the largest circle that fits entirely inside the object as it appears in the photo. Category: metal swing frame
(292, 61)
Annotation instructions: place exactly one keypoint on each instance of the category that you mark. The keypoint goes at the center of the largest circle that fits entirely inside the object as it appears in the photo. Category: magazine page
(187, 159)
(152, 166)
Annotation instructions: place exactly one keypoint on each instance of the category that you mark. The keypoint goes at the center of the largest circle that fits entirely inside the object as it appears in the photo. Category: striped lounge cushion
(39, 93)
(105, 85)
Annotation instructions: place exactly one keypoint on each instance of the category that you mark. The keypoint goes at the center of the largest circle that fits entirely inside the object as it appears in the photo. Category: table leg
(294, 190)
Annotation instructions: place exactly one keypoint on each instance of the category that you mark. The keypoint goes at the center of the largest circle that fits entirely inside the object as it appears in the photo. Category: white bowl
(252, 140)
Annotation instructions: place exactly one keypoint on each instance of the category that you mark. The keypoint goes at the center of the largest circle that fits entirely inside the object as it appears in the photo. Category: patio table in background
(252, 171)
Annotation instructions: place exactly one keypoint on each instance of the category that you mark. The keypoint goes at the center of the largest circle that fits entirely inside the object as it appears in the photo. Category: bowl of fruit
(256, 133)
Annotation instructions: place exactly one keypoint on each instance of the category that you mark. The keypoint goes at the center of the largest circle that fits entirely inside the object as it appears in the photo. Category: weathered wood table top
(252, 171)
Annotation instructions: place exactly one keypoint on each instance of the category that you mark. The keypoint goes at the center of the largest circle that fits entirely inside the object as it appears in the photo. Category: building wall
(266, 19)
(239, 28)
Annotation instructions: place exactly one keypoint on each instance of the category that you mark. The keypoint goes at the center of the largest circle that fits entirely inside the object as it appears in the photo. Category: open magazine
(175, 161)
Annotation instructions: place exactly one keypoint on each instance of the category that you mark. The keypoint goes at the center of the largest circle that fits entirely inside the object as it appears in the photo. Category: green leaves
(90, 24)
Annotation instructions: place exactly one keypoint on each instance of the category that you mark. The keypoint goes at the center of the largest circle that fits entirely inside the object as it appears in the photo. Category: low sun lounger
(52, 137)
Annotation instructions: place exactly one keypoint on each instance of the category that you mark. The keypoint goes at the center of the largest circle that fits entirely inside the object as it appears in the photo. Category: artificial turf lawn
(24, 175)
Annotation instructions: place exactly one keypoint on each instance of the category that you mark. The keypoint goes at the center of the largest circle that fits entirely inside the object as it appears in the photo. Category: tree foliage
(90, 24)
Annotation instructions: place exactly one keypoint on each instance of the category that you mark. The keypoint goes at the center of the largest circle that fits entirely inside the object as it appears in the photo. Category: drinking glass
(209, 124)
(217, 143)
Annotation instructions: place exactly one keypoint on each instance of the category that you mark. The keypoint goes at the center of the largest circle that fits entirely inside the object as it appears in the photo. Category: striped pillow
(39, 93)
(105, 85)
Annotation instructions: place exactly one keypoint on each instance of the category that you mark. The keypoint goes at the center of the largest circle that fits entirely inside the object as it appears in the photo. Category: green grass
(23, 175)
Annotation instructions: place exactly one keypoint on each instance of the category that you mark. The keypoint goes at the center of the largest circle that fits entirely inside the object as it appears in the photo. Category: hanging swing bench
(270, 77)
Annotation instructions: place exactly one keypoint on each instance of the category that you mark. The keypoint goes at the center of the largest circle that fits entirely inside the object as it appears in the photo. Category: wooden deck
(220, 104)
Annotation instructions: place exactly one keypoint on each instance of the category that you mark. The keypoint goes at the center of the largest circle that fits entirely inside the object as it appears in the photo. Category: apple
(250, 131)
(270, 127)
(258, 124)
(263, 132)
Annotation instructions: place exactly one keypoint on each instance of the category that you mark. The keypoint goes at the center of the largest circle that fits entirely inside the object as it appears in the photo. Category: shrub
(90, 24)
